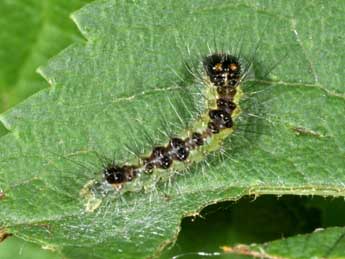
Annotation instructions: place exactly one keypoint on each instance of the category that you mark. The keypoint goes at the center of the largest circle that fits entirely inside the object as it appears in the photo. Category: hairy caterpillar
(222, 75)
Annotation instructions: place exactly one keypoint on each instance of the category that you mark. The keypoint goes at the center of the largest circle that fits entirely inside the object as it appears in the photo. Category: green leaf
(118, 89)
(31, 32)
(327, 243)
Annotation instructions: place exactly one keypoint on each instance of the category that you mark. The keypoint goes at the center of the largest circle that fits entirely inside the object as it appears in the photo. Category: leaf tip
(41, 71)
(4, 122)
(77, 20)
(4, 235)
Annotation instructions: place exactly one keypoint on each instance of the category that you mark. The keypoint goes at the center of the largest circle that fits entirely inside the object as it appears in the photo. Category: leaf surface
(127, 86)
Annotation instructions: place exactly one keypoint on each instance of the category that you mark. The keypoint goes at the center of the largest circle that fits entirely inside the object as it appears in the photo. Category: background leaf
(321, 244)
(107, 92)
(31, 32)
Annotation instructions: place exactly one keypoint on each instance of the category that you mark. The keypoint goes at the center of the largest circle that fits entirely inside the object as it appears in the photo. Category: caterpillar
(222, 75)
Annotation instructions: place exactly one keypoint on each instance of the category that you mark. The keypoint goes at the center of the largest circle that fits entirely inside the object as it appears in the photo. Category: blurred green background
(31, 32)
